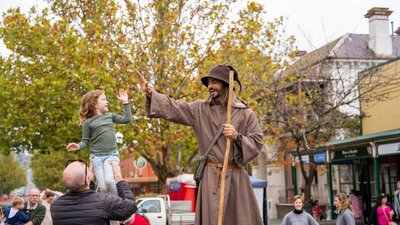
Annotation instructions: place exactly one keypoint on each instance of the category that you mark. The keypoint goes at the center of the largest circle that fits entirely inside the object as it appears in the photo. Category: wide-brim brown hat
(221, 72)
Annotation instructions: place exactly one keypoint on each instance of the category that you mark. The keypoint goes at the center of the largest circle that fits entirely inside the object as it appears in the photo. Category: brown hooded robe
(206, 118)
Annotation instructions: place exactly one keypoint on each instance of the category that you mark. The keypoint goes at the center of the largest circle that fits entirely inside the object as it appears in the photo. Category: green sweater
(37, 215)
(99, 132)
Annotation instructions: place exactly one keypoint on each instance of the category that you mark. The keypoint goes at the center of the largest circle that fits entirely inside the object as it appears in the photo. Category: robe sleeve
(162, 106)
(252, 141)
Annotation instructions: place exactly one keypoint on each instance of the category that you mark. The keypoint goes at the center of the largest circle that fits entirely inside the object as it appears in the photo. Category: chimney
(379, 40)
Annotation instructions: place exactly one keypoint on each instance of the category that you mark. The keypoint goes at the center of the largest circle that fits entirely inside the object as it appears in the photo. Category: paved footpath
(275, 221)
(331, 222)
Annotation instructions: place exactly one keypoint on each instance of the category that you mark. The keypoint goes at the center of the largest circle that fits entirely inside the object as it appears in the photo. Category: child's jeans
(104, 172)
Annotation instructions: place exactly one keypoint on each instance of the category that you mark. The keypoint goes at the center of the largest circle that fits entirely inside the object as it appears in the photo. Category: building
(344, 57)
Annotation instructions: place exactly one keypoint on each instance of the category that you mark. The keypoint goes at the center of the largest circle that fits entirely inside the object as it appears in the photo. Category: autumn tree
(55, 57)
(73, 47)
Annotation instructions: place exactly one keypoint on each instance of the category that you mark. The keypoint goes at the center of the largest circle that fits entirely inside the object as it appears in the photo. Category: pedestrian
(36, 210)
(81, 205)
(396, 196)
(2, 219)
(206, 117)
(14, 214)
(382, 213)
(298, 216)
(47, 197)
(344, 210)
(316, 209)
(357, 204)
(99, 134)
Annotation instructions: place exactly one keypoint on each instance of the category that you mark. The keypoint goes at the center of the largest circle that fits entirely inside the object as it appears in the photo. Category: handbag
(202, 162)
(389, 222)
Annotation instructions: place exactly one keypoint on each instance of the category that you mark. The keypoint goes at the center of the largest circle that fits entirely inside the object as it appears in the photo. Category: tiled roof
(348, 46)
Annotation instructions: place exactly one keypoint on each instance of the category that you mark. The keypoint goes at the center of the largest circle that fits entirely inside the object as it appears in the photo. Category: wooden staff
(227, 150)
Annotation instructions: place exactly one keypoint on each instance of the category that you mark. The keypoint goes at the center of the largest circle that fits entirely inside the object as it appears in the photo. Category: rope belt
(219, 166)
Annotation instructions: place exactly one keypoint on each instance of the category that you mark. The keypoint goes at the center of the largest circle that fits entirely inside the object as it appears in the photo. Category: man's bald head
(74, 176)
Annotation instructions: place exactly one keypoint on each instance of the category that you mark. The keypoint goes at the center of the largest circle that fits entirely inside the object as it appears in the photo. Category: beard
(214, 94)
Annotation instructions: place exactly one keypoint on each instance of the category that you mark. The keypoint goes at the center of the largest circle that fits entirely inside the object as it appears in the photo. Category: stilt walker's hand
(144, 84)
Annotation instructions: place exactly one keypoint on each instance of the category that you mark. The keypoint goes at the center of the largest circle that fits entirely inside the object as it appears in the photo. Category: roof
(364, 140)
(348, 46)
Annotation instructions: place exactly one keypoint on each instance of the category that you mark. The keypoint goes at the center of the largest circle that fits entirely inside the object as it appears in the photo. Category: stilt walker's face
(215, 88)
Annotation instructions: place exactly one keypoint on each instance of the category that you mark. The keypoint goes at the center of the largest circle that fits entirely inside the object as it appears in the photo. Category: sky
(314, 23)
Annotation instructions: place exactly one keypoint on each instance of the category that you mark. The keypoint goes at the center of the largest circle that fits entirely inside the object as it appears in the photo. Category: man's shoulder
(41, 206)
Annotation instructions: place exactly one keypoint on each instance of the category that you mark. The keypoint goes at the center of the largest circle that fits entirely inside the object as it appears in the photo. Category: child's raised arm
(123, 96)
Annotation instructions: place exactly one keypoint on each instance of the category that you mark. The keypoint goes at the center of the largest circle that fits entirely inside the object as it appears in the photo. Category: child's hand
(123, 96)
(73, 147)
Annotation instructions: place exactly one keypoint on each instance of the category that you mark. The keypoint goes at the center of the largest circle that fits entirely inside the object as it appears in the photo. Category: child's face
(20, 206)
(102, 104)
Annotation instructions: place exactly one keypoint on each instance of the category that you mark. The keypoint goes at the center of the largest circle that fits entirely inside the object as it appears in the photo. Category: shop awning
(364, 140)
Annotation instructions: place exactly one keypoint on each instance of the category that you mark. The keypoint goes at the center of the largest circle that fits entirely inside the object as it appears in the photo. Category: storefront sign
(350, 154)
(318, 158)
(140, 163)
(389, 149)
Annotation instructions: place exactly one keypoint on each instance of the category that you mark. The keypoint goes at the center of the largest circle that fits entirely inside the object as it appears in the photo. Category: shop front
(366, 164)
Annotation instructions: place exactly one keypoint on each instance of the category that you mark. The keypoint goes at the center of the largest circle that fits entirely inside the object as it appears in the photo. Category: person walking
(344, 210)
(357, 204)
(99, 133)
(396, 196)
(206, 117)
(298, 216)
(81, 205)
(382, 212)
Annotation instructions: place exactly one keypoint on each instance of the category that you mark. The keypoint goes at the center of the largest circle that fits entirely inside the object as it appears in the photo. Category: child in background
(14, 214)
(316, 210)
(99, 134)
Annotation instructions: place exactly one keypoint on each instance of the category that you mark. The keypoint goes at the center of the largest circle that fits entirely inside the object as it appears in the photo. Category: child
(14, 214)
(316, 210)
(99, 132)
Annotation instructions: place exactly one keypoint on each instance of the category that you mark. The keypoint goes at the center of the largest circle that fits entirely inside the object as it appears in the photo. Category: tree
(312, 100)
(73, 47)
(47, 168)
(12, 174)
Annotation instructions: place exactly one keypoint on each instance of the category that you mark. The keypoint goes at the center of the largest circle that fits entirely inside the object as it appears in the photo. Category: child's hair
(17, 200)
(88, 105)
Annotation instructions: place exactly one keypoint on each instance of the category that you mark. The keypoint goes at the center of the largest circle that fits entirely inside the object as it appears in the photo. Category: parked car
(161, 210)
